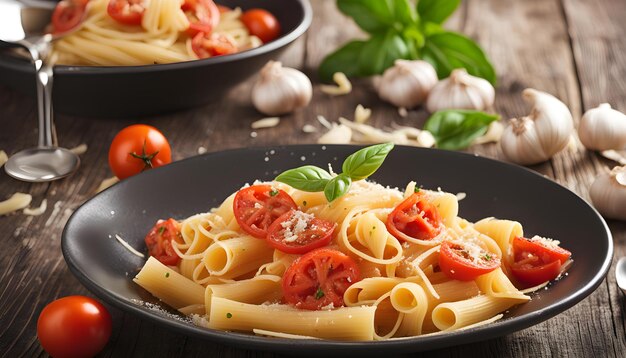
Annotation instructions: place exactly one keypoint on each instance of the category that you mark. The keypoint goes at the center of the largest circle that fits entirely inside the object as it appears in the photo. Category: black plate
(181, 189)
(127, 91)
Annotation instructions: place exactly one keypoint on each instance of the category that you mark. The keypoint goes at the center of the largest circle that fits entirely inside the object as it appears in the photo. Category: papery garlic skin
(407, 83)
(461, 91)
(280, 90)
(608, 193)
(603, 128)
(537, 137)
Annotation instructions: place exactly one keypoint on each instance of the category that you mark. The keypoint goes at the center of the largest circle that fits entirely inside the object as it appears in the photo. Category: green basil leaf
(343, 60)
(457, 129)
(380, 52)
(370, 15)
(405, 12)
(307, 178)
(337, 186)
(436, 11)
(366, 161)
(449, 50)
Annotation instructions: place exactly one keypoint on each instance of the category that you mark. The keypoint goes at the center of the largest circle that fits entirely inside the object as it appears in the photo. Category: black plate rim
(282, 41)
(409, 344)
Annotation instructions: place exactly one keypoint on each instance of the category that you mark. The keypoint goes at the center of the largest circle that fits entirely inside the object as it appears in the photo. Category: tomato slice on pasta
(319, 279)
(296, 232)
(128, 12)
(67, 15)
(256, 207)
(203, 16)
(537, 260)
(414, 218)
(465, 261)
(205, 45)
(262, 24)
(159, 241)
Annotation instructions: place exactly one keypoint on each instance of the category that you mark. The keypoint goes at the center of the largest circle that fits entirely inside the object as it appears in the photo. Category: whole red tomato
(137, 148)
(74, 326)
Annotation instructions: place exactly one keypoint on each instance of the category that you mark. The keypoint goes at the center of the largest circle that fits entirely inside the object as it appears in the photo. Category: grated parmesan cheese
(343, 85)
(201, 150)
(324, 121)
(265, 123)
(3, 157)
(16, 202)
(37, 211)
(547, 242)
(362, 114)
(296, 225)
(128, 247)
(106, 183)
(339, 134)
(307, 128)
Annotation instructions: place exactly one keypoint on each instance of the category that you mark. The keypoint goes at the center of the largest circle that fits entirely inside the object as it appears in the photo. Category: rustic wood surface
(574, 49)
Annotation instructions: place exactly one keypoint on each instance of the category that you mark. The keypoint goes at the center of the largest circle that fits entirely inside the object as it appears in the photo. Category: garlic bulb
(608, 193)
(461, 91)
(280, 90)
(603, 128)
(407, 83)
(538, 136)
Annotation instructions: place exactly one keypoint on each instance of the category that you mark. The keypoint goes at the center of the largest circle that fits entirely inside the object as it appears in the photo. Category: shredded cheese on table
(106, 183)
(37, 211)
(3, 157)
(16, 202)
(343, 85)
(79, 149)
(265, 123)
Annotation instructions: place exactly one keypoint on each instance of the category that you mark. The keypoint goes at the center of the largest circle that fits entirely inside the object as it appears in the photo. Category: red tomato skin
(460, 268)
(419, 228)
(115, 9)
(243, 208)
(534, 275)
(67, 15)
(275, 235)
(210, 45)
(203, 16)
(159, 241)
(534, 263)
(262, 24)
(131, 140)
(74, 327)
(547, 254)
(300, 288)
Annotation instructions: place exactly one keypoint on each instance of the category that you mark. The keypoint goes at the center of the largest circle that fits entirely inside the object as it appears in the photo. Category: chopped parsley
(167, 274)
(487, 257)
(319, 293)
(273, 192)
(161, 230)
(417, 189)
(229, 315)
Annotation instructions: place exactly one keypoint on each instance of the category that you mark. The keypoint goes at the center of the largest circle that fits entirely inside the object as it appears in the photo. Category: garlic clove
(461, 91)
(603, 128)
(538, 136)
(407, 83)
(280, 90)
(608, 193)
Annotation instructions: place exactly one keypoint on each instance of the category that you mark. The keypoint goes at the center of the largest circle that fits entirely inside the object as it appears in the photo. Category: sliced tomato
(295, 232)
(159, 241)
(203, 16)
(465, 261)
(257, 207)
(535, 261)
(205, 46)
(68, 14)
(262, 24)
(319, 279)
(127, 12)
(414, 218)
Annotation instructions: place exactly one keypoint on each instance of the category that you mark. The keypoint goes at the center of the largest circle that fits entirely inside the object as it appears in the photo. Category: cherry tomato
(295, 232)
(319, 279)
(205, 45)
(159, 241)
(465, 261)
(414, 218)
(128, 12)
(535, 262)
(262, 24)
(256, 207)
(68, 14)
(203, 16)
(74, 326)
(137, 148)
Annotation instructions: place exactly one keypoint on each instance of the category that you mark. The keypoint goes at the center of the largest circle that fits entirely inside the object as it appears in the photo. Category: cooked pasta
(279, 261)
(162, 35)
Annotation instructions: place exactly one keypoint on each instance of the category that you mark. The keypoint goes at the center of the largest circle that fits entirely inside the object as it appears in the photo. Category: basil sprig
(357, 166)
(457, 129)
(400, 30)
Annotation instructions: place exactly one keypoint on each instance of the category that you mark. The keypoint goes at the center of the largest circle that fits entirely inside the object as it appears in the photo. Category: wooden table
(574, 49)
